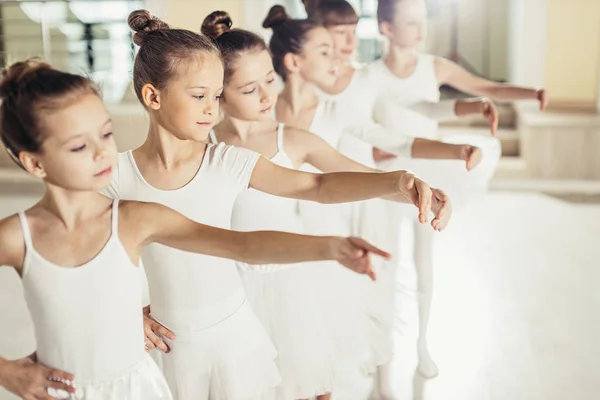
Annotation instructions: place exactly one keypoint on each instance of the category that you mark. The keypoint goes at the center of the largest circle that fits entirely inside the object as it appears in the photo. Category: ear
(32, 164)
(291, 63)
(151, 96)
(386, 29)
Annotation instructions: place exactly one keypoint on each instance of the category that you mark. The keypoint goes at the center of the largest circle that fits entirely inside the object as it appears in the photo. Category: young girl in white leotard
(77, 251)
(397, 95)
(295, 318)
(178, 78)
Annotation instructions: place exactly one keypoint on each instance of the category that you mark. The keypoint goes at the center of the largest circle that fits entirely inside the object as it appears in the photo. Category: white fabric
(143, 381)
(388, 113)
(191, 292)
(349, 300)
(231, 360)
(325, 219)
(396, 95)
(392, 110)
(255, 210)
(286, 298)
(356, 105)
(88, 321)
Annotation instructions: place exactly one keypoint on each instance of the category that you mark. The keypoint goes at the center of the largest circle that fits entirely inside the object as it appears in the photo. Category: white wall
(527, 41)
(483, 27)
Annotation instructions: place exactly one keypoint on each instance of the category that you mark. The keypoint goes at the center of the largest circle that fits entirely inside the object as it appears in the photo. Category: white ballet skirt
(352, 306)
(235, 353)
(142, 381)
(286, 298)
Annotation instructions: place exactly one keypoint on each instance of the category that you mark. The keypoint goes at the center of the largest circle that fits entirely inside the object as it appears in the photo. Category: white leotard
(220, 349)
(75, 310)
(88, 322)
(396, 95)
(185, 287)
(357, 107)
(255, 210)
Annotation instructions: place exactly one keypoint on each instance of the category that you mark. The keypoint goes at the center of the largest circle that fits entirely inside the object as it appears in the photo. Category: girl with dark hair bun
(301, 308)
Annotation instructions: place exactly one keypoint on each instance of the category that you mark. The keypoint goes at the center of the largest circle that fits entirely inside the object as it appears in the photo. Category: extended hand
(472, 155)
(542, 97)
(381, 155)
(353, 253)
(490, 113)
(442, 210)
(418, 192)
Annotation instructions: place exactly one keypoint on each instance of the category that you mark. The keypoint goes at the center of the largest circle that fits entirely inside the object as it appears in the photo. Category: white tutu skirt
(354, 316)
(143, 381)
(361, 338)
(289, 303)
(451, 175)
(372, 222)
(232, 360)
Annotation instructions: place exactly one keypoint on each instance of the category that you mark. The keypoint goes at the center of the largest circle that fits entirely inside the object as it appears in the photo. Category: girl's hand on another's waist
(31, 380)
(155, 332)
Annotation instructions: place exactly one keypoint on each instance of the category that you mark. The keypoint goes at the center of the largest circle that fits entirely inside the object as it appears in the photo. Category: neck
(298, 95)
(69, 206)
(237, 127)
(165, 148)
(399, 57)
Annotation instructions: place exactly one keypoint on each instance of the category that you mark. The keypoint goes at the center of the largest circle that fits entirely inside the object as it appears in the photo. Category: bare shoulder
(299, 140)
(293, 133)
(12, 242)
(443, 68)
(441, 63)
(139, 213)
(139, 222)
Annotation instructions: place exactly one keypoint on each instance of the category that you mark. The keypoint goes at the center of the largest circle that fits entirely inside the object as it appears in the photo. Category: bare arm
(327, 188)
(12, 247)
(165, 226)
(436, 150)
(336, 186)
(24, 377)
(454, 75)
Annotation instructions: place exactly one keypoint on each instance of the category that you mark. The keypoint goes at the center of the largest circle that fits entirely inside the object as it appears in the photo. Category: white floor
(515, 310)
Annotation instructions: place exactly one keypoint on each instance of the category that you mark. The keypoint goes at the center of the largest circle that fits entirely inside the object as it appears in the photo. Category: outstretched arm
(454, 75)
(165, 226)
(338, 185)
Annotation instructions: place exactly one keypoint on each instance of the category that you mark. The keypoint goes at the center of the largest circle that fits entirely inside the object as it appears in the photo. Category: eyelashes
(83, 146)
(269, 82)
